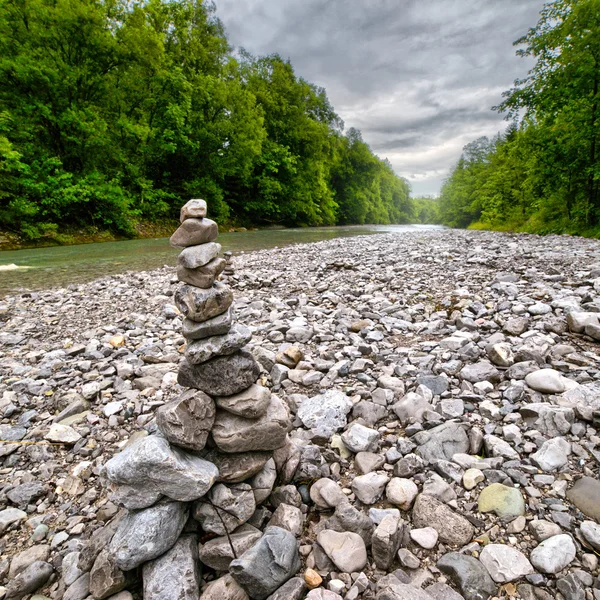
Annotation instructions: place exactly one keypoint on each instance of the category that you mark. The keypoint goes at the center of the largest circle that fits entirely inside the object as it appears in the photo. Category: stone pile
(210, 462)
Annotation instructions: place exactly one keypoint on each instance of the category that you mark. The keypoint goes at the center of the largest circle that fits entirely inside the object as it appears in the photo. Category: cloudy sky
(417, 77)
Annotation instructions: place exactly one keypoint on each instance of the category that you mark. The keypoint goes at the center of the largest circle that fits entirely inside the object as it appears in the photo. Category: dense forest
(114, 112)
(542, 174)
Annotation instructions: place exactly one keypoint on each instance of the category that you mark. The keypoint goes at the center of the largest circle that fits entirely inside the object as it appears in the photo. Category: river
(41, 268)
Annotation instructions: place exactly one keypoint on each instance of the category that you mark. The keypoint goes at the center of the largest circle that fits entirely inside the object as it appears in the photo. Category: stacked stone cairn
(210, 462)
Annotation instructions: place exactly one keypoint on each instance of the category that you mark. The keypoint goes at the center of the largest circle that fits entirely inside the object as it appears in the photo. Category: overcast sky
(417, 77)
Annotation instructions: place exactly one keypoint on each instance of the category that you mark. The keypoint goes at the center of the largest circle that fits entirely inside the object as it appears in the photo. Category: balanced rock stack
(210, 462)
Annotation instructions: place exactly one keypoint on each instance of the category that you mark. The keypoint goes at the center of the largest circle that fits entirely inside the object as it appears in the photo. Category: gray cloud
(417, 77)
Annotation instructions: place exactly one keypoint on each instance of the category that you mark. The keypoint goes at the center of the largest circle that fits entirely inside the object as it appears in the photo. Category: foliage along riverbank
(543, 174)
(113, 113)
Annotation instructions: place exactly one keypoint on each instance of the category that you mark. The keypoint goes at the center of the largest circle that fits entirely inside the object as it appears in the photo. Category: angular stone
(149, 468)
(193, 232)
(591, 533)
(268, 564)
(235, 468)
(501, 354)
(219, 552)
(452, 528)
(224, 588)
(553, 455)
(226, 508)
(359, 438)
(202, 277)
(97, 542)
(495, 446)
(365, 462)
(221, 376)
(480, 371)
(26, 493)
(145, 534)
(471, 576)
(106, 578)
(187, 421)
(250, 404)
(396, 590)
(442, 442)
(386, 541)
(325, 414)
(427, 537)
(218, 325)
(287, 517)
(548, 419)
(233, 433)
(553, 554)
(578, 321)
(349, 518)
(62, 434)
(326, 493)
(199, 351)
(262, 483)
(8, 516)
(506, 502)
(175, 574)
(369, 488)
(411, 408)
(294, 589)
(505, 563)
(198, 256)
(346, 550)
(199, 305)
(193, 209)
(79, 589)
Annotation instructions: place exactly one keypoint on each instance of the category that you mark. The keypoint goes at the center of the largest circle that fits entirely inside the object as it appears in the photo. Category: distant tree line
(116, 111)
(543, 173)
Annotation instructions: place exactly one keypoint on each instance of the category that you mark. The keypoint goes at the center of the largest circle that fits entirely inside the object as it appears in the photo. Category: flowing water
(41, 268)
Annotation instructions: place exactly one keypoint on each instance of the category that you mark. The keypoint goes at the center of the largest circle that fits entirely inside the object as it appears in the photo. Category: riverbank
(459, 373)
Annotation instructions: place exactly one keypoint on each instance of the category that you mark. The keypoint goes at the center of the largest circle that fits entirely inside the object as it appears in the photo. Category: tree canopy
(543, 173)
(116, 111)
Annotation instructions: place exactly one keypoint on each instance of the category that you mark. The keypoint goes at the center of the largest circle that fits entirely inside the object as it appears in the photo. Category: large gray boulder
(149, 468)
(145, 534)
(268, 564)
(199, 351)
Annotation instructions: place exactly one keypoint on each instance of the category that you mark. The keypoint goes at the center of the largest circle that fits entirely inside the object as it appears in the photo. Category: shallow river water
(41, 268)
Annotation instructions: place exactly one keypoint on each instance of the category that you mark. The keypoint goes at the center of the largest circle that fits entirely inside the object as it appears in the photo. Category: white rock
(63, 434)
(553, 554)
(505, 563)
(346, 550)
(426, 537)
(401, 492)
(368, 488)
(553, 454)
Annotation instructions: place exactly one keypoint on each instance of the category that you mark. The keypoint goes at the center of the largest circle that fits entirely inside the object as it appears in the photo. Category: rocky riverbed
(444, 393)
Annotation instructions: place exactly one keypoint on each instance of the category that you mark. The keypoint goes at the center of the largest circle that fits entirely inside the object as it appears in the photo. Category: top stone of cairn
(194, 209)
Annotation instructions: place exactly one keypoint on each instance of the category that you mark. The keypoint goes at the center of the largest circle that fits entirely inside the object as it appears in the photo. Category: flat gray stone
(146, 534)
(218, 325)
(29, 580)
(193, 232)
(198, 256)
(149, 468)
(548, 419)
(187, 421)
(106, 579)
(233, 433)
(236, 467)
(268, 564)
(369, 488)
(452, 528)
(585, 495)
(221, 376)
(175, 574)
(359, 438)
(591, 533)
(199, 351)
(8, 516)
(480, 371)
(386, 541)
(202, 304)
(202, 277)
(442, 442)
(505, 563)
(250, 404)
